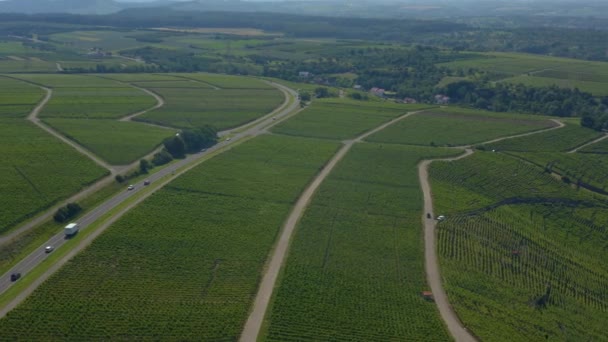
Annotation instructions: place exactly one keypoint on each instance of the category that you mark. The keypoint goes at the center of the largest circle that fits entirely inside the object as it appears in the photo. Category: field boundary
(589, 143)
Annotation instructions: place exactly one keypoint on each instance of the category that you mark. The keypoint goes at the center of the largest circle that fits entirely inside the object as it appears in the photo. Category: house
(304, 74)
(377, 91)
(358, 87)
(442, 99)
(409, 100)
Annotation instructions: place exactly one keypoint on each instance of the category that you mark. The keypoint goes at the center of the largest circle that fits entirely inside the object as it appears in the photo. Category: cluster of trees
(554, 101)
(67, 212)
(190, 141)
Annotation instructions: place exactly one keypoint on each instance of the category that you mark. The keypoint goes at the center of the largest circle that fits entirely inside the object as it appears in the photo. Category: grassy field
(228, 81)
(341, 118)
(118, 143)
(600, 147)
(595, 88)
(17, 99)
(181, 266)
(8, 65)
(587, 168)
(457, 126)
(355, 271)
(38, 170)
(521, 252)
(198, 105)
(557, 140)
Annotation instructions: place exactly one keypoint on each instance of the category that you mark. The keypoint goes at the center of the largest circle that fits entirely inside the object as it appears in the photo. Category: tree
(175, 146)
(144, 165)
(321, 92)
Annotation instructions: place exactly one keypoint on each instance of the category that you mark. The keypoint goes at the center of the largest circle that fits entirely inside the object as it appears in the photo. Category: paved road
(39, 255)
(453, 323)
(262, 299)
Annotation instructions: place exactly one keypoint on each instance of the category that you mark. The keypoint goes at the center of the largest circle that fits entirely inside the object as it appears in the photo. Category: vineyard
(558, 140)
(584, 169)
(355, 270)
(227, 81)
(595, 88)
(456, 126)
(90, 97)
(341, 119)
(521, 252)
(191, 103)
(117, 142)
(37, 171)
(185, 264)
(600, 147)
(17, 99)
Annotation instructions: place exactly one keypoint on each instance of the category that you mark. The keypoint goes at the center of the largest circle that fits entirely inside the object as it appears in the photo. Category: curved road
(262, 299)
(171, 172)
(453, 323)
(603, 137)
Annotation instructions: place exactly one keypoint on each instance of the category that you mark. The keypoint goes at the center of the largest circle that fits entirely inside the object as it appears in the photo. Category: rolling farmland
(355, 269)
(38, 170)
(558, 140)
(457, 126)
(341, 119)
(182, 265)
(521, 252)
(117, 142)
(17, 98)
(194, 104)
(600, 147)
(595, 88)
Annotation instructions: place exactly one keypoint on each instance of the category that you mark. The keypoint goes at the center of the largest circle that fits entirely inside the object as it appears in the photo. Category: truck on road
(71, 229)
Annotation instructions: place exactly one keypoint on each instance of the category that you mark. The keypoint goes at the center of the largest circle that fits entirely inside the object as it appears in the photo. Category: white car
(228, 139)
(48, 249)
(131, 187)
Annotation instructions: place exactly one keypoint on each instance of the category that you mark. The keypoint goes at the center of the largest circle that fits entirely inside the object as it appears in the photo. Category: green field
(558, 140)
(134, 78)
(182, 265)
(117, 142)
(341, 118)
(595, 88)
(198, 104)
(521, 252)
(457, 126)
(600, 147)
(228, 82)
(38, 170)
(26, 65)
(585, 168)
(17, 99)
(355, 270)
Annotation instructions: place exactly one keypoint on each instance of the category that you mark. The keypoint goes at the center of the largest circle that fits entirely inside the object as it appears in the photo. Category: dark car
(15, 276)
(147, 182)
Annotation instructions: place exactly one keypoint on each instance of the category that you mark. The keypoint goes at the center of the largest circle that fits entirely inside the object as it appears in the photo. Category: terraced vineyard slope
(355, 270)
(184, 265)
(521, 252)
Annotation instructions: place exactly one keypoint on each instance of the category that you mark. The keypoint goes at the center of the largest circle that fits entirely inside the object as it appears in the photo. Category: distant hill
(72, 6)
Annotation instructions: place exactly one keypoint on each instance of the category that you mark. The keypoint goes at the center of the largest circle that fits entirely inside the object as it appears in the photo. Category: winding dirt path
(260, 306)
(449, 316)
(159, 103)
(603, 137)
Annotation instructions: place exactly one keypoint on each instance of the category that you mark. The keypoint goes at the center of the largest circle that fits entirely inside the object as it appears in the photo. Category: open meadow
(355, 270)
(182, 265)
(454, 126)
(342, 118)
(17, 98)
(521, 252)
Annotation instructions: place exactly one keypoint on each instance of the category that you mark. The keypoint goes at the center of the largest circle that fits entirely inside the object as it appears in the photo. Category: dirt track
(264, 294)
(453, 323)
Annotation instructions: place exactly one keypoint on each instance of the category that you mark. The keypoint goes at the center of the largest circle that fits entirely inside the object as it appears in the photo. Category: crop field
(521, 252)
(457, 126)
(90, 97)
(107, 40)
(586, 168)
(228, 82)
(26, 65)
(591, 74)
(182, 265)
(600, 147)
(517, 63)
(17, 99)
(341, 119)
(37, 171)
(117, 142)
(355, 270)
(225, 108)
(558, 140)
(595, 88)
(134, 78)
